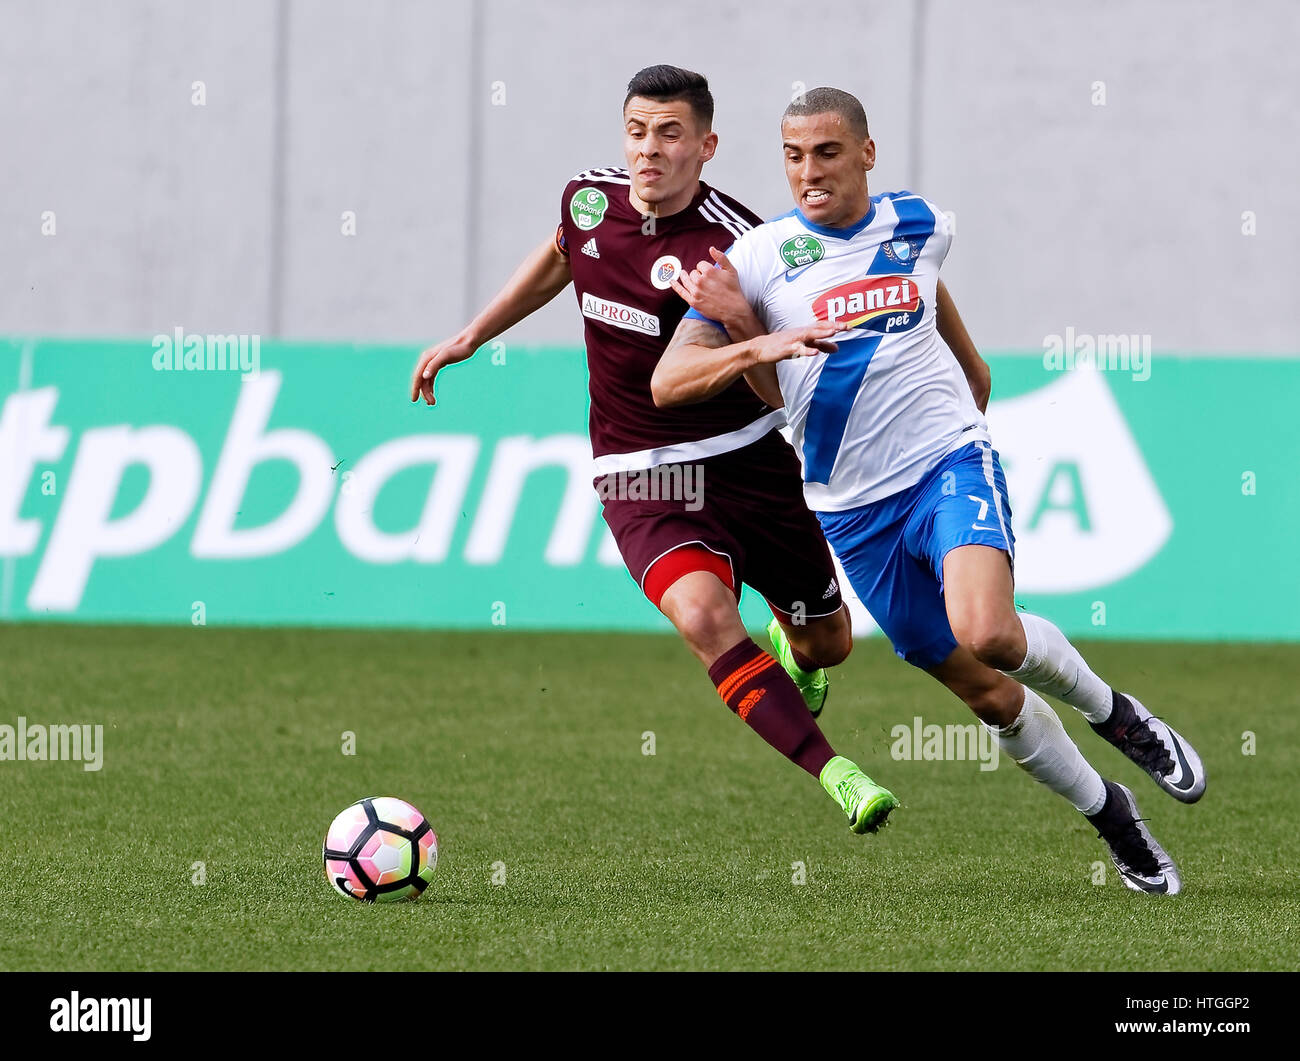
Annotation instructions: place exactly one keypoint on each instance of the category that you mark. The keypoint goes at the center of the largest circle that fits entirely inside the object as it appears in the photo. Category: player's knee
(995, 642)
(705, 623)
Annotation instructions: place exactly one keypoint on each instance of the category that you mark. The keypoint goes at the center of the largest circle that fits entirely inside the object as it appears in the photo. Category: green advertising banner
(223, 480)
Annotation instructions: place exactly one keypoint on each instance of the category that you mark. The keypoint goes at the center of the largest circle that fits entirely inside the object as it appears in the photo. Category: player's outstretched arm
(953, 332)
(540, 277)
(701, 360)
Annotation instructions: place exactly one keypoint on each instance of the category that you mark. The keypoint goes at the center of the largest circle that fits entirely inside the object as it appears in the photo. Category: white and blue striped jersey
(874, 417)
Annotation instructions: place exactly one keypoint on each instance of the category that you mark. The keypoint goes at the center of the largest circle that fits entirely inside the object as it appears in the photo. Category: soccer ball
(380, 850)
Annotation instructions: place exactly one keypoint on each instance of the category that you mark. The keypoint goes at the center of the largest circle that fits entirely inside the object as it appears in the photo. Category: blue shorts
(893, 549)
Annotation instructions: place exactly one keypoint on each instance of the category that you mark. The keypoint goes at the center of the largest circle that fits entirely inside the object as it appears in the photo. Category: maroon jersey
(623, 265)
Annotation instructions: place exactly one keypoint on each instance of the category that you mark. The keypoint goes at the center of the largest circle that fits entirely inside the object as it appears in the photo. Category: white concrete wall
(1121, 218)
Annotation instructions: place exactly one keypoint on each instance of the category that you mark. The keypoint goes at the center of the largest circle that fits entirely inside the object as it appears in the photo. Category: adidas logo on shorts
(832, 589)
(589, 248)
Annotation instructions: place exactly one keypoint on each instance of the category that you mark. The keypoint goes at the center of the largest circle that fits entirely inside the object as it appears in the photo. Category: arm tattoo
(692, 332)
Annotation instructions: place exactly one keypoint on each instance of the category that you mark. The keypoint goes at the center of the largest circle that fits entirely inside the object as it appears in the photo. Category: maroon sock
(755, 686)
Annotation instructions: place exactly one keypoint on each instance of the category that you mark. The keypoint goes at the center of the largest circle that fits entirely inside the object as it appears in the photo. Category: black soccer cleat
(1143, 864)
(1155, 746)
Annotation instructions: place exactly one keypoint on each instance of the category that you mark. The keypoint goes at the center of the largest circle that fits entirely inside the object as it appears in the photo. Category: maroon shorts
(746, 506)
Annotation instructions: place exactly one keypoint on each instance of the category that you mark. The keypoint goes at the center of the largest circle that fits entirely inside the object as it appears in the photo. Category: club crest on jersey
(888, 304)
(900, 251)
(587, 207)
(664, 271)
(802, 250)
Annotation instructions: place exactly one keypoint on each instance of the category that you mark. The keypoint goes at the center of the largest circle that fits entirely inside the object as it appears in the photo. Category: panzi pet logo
(587, 207)
(888, 304)
(802, 250)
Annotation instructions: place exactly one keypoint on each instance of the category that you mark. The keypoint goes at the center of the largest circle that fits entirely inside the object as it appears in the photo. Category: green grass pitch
(525, 751)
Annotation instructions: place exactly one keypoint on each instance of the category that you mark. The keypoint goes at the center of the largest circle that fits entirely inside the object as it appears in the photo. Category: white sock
(1053, 666)
(1038, 743)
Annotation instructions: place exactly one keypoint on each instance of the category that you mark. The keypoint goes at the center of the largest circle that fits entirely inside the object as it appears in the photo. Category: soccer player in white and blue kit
(898, 462)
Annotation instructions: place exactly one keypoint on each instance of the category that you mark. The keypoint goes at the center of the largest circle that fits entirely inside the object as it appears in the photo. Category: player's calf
(818, 643)
(994, 698)
(754, 686)
(805, 650)
(809, 679)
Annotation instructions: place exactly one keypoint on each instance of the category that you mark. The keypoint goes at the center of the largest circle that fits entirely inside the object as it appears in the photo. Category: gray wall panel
(161, 207)
(566, 73)
(1122, 218)
(1125, 217)
(377, 124)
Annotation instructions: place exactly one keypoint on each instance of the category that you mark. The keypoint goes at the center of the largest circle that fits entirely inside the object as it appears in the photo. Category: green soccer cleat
(864, 801)
(812, 685)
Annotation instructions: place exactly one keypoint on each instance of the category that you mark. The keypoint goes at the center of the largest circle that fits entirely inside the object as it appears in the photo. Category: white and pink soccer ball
(380, 850)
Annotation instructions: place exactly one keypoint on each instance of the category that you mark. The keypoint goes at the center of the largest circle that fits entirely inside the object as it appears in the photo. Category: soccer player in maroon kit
(624, 237)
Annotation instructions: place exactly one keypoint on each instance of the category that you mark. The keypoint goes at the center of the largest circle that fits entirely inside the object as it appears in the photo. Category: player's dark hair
(830, 101)
(664, 84)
